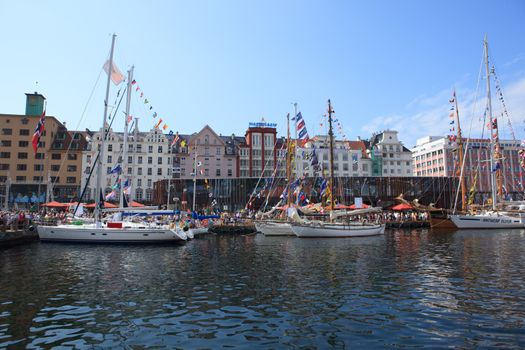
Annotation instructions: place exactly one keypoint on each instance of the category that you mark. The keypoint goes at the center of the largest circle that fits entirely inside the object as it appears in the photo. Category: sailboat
(110, 232)
(336, 226)
(497, 217)
(276, 227)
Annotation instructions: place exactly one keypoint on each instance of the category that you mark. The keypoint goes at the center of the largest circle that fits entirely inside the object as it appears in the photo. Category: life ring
(31, 228)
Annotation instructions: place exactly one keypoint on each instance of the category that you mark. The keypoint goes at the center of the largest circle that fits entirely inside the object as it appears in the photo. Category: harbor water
(404, 289)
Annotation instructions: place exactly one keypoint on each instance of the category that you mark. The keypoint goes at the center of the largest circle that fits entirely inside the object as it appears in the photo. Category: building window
(130, 171)
(230, 172)
(149, 182)
(7, 131)
(56, 156)
(218, 151)
(218, 172)
(130, 159)
(140, 160)
(5, 154)
(159, 160)
(139, 182)
(22, 155)
(71, 168)
(21, 167)
(138, 194)
(150, 149)
(71, 179)
(150, 171)
(159, 171)
(5, 166)
(55, 167)
(110, 159)
(72, 156)
(38, 178)
(24, 132)
(20, 179)
(150, 160)
(110, 148)
(160, 149)
(139, 171)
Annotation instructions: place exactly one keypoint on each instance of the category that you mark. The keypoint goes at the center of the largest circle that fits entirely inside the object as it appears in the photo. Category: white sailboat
(498, 217)
(336, 227)
(111, 232)
(276, 227)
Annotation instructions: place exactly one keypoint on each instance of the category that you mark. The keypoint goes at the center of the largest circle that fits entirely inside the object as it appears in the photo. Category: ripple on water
(405, 289)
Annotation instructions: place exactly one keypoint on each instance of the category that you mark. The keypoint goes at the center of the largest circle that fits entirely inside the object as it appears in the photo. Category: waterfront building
(388, 155)
(258, 154)
(148, 160)
(54, 172)
(215, 156)
(350, 158)
(437, 156)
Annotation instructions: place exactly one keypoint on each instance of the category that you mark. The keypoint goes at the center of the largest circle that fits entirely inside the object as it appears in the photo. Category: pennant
(116, 169)
(175, 139)
(138, 88)
(111, 195)
(157, 125)
(133, 82)
(183, 143)
(155, 115)
(164, 127)
(141, 94)
(146, 101)
(130, 118)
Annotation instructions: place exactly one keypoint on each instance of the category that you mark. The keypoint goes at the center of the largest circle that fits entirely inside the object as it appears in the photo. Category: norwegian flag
(38, 132)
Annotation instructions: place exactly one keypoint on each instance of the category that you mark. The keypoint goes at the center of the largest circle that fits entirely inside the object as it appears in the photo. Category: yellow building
(53, 172)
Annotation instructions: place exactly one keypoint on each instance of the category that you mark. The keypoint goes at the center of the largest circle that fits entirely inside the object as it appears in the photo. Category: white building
(396, 158)
(350, 158)
(148, 160)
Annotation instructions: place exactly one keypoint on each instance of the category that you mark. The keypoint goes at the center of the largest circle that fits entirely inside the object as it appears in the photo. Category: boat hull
(274, 228)
(333, 230)
(199, 230)
(487, 221)
(92, 234)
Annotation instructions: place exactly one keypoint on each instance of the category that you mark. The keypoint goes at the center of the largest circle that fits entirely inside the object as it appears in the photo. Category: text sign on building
(262, 125)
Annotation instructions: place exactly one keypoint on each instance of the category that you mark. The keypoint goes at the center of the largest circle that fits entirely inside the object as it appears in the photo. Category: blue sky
(384, 64)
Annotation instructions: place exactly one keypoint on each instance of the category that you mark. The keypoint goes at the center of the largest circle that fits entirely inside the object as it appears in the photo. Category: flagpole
(492, 141)
(103, 137)
(331, 135)
(123, 178)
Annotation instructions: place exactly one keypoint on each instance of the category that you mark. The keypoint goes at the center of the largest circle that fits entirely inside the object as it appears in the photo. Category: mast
(103, 136)
(460, 156)
(194, 175)
(493, 140)
(288, 161)
(331, 135)
(125, 150)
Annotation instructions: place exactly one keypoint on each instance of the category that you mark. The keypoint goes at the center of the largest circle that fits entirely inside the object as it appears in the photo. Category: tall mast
(125, 150)
(331, 135)
(493, 140)
(195, 175)
(460, 156)
(288, 161)
(103, 136)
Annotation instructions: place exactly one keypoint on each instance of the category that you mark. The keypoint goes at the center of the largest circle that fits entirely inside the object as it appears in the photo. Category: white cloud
(429, 115)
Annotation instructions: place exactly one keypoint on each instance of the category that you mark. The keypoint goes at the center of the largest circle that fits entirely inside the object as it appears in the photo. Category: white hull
(337, 230)
(90, 233)
(487, 221)
(273, 228)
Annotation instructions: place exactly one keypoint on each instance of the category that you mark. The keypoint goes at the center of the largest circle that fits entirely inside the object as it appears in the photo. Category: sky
(384, 64)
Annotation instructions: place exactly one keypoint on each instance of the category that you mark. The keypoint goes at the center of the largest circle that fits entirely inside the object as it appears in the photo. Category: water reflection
(406, 288)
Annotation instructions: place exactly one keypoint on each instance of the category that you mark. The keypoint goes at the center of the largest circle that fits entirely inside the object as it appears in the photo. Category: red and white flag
(38, 131)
